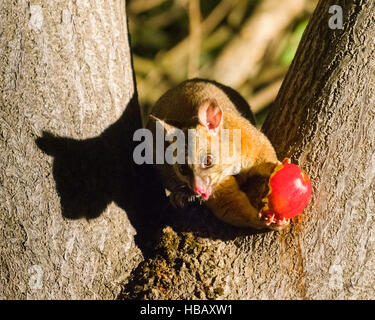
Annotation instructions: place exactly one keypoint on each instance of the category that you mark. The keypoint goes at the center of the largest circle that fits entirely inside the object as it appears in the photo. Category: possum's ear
(168, 129)
(210, 115)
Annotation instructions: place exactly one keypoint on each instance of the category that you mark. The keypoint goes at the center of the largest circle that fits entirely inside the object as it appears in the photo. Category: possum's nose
(202, 187)
(205, 195)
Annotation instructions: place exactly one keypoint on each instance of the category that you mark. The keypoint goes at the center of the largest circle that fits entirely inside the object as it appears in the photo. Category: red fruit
(289, 193)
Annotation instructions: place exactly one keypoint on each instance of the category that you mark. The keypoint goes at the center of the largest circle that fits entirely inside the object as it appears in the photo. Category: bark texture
(324, 118)
(65, 71)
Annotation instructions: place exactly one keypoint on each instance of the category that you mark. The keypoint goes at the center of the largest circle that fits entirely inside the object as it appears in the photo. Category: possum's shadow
(91, 173)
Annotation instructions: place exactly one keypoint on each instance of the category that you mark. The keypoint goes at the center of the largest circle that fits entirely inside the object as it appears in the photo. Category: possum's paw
(182, 197)
(271, 221)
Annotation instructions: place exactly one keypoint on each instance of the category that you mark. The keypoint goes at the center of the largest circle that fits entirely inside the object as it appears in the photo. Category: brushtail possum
(209, 107)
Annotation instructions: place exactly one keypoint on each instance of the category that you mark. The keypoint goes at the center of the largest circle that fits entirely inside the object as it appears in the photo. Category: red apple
(289, 193)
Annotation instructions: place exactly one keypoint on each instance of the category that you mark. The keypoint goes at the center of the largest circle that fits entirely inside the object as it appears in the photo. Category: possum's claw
(272, 222)
(181, 197)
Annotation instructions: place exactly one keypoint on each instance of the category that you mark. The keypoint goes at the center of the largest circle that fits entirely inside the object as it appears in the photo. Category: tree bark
(65, 70)
(324, 119)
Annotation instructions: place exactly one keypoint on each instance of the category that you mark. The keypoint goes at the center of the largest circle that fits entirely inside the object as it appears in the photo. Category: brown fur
(179, 107)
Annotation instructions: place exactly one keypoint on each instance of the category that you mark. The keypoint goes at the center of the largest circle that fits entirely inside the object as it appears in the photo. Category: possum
(207, 109)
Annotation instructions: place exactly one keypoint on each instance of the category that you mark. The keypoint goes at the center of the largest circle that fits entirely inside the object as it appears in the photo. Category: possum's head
(200, 163)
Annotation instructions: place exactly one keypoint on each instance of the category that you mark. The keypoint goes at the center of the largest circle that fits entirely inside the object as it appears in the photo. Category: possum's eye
(207, 161)
(184, 169)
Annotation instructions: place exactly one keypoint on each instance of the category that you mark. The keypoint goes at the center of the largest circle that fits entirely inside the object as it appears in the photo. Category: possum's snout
(202, 187)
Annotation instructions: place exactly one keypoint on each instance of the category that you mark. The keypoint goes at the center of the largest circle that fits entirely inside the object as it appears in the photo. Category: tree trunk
(65, 70)
(324, 118)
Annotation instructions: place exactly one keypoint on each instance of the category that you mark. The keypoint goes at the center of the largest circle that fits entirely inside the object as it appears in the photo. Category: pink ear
(210, 114)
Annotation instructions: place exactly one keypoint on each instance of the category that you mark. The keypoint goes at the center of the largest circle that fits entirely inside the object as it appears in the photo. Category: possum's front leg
(231, 205)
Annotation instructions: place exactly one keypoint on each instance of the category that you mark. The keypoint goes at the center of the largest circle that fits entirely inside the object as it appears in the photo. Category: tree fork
(324, 119)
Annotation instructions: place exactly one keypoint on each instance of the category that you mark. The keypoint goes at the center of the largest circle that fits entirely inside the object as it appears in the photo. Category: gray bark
(65, 71)
(324, 119)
